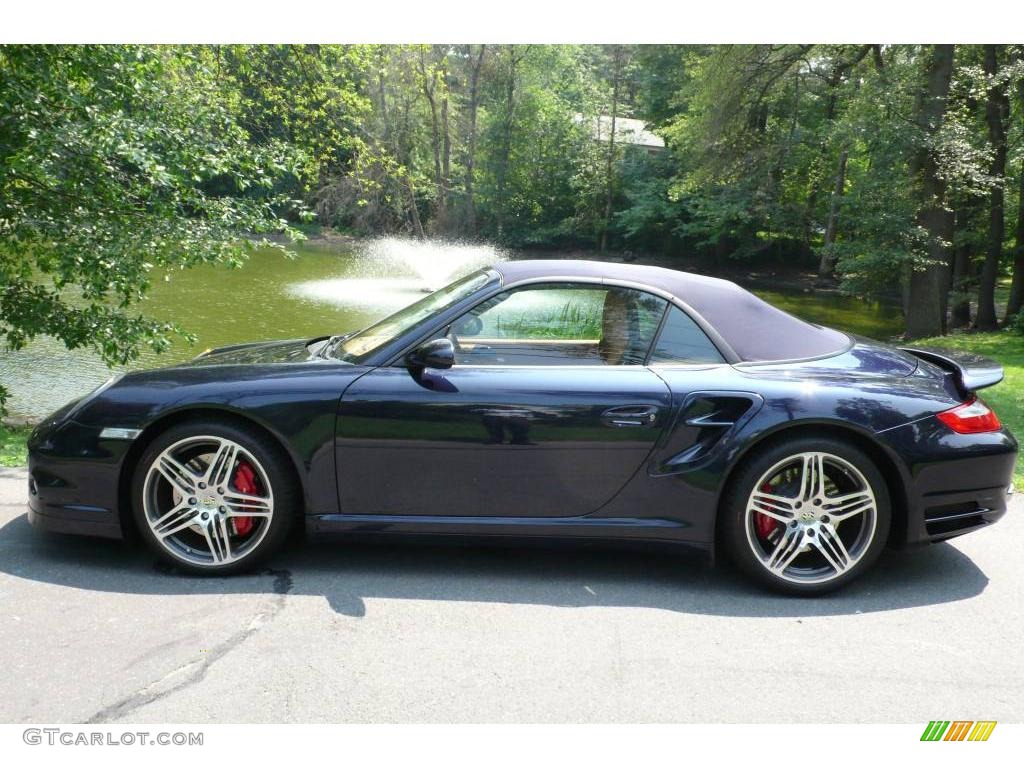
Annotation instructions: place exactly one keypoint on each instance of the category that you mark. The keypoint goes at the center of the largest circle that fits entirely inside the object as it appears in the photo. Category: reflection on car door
(510, 441)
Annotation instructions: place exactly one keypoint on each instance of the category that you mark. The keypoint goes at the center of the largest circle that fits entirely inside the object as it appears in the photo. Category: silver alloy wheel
(817, 514)
(195, 510)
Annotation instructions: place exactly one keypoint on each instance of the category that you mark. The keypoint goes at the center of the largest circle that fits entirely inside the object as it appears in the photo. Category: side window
(682, 341)
(559, 324)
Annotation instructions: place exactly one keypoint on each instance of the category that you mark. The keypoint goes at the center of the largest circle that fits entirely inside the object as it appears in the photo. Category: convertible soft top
(754, 329)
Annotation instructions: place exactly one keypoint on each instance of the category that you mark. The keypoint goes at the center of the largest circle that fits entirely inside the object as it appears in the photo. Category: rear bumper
(955, 483)
(963, 513)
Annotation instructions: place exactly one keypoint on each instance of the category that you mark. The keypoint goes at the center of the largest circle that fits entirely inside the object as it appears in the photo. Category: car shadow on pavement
(348, 574)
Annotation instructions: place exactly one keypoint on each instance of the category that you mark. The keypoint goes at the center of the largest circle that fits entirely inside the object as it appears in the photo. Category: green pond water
(323, 291)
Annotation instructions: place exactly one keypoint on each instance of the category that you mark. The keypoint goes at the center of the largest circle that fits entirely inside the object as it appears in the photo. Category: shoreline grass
(12, 445)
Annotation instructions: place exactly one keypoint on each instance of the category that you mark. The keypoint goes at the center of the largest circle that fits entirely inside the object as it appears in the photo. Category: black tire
(284, 489)
(740, 536)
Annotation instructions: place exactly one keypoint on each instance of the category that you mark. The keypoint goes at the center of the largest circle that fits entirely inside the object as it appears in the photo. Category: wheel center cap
(807, 517)
(208, 504)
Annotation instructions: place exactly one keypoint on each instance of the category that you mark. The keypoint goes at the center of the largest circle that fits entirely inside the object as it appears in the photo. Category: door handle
(630, 416)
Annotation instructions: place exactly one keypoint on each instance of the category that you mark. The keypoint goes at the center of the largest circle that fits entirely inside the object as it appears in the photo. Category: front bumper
(82, 521)
(74, 480)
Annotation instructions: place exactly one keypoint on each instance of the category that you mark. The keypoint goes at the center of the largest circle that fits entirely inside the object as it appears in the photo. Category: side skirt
(524, 528)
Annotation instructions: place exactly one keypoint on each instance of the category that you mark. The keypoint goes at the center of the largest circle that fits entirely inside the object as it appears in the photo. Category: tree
(618, 63)
(837, 72)
(542, 178)
(308, 96)
(118, 161)
(962, 277)
(1016, 299)
(388, 160)
(475, 63)
(925, 306)
(997, 108)
(513, 57)
(435, 87)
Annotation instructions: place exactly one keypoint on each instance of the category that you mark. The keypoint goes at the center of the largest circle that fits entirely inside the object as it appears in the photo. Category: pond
(324, 290)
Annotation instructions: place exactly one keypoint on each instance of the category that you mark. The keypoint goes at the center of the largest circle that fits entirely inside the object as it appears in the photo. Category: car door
(548, 411)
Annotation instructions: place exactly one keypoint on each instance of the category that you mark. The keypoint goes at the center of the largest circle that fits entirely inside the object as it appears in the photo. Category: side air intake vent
(941, 521)
(703, 423)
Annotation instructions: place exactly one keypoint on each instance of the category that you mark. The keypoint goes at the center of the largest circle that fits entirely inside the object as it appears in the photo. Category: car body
(469, 416)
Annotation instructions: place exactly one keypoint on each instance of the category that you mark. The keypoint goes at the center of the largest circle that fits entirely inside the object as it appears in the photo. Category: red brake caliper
(244, 481)
(763, 524)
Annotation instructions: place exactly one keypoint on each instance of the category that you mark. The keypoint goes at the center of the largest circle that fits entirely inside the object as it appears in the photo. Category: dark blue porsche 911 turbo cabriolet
(551, 400)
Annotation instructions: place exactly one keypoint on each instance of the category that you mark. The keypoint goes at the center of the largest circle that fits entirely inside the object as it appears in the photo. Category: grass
(570, 321)
(12, 446)
(1007, 397)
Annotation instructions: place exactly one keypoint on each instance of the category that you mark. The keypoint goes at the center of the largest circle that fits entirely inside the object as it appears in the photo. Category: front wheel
(213, 497)
(807, 516)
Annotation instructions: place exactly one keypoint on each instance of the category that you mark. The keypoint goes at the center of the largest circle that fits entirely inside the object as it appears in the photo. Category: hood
(260, 352)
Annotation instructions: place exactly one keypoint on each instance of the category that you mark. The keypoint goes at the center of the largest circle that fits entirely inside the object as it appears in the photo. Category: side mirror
(438, 353)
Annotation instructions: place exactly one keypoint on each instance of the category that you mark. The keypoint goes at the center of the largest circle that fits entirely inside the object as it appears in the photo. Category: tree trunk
(446, 146)
(414, 212)
(506, 148)
(1013, 306)
(610, 167)
(406, 194)
(925, 288)
(827, 263)
(429, 84)
(962, 272)
(474, 83)
(828, 256)
(382, 95)
(960, 316)
(997, 106)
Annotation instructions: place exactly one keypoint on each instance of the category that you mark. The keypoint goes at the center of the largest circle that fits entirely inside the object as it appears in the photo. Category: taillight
(970, 418)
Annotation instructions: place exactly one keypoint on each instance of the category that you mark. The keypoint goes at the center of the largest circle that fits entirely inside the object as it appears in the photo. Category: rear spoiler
(972, 372)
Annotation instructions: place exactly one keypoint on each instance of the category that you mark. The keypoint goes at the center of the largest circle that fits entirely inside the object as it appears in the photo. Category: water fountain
(320, 292)
(390, 272)
(435, 262)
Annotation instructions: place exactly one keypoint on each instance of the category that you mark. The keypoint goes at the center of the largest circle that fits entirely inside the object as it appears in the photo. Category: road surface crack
(195, 671)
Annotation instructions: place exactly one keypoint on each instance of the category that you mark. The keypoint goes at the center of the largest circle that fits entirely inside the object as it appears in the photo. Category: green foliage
(547, 190)
(737, 142)
(12, 446)
(648, 217)
(121, 160)
(309, 96)
(118, 160)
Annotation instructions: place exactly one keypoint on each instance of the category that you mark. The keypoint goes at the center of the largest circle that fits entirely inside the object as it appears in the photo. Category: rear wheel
(213, 497)
(807, 516)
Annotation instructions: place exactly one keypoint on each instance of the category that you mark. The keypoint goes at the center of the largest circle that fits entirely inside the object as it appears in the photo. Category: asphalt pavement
(96, 631)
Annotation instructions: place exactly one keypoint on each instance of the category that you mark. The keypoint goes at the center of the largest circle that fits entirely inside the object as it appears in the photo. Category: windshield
(358, 346)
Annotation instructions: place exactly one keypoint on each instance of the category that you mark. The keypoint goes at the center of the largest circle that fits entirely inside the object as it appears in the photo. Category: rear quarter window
(682, 341)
